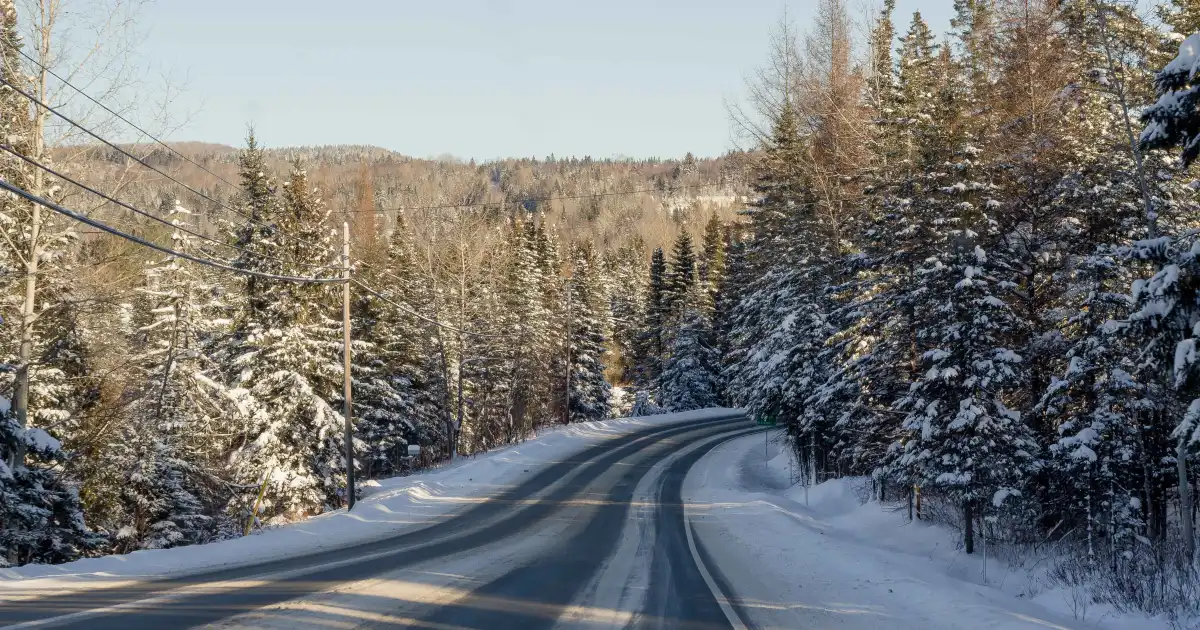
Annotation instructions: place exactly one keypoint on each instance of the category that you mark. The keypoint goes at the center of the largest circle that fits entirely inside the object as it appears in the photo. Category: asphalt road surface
(596, 541)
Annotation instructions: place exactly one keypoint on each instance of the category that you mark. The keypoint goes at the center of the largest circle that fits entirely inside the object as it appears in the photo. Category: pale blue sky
(472, 78)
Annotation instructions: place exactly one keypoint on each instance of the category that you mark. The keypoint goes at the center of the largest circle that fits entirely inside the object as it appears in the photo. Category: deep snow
(826, 556)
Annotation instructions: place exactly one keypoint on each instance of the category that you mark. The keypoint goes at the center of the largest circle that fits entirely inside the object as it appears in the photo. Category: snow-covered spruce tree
(874, 352)
(964, 441)
(1093, 467)
(1096, 455)
(1167, 304)
(588, 391)
(782, 322)
(690, 373)
(398, 398)
(169, 455)
(483, 395)
(681, 277)
(652, 339)
(711, 266)
(548, 261)
(40, 516)
(728, 295)
(626, 268)
(764, 326)
(525, 322)
(287, 355)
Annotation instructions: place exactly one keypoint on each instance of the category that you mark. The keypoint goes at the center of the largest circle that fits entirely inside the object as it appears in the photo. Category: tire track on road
(536, 595)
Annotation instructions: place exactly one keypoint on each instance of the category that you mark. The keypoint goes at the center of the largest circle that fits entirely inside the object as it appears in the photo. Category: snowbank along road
(597, 540)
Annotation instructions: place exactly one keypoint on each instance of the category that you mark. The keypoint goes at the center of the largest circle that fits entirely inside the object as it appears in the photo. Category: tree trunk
(969, 526)
(33, 254)
(1185, 501)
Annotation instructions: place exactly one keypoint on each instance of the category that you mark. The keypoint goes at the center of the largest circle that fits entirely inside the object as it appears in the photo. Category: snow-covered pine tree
(626, 268)
(588, 391)
(524, 320)
(483, 395)
(762, 324)
(544, 241)
(399, 400)
(711, 265)
(170, 456)
(690, 373)
(287, 362)
(258, 239)
(1095, 453)
(729, 293)
(41, 515)
(652, 340)
(962, 439)
(680, 278)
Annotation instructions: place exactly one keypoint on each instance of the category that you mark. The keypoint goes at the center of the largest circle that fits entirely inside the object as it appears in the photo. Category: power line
(135, 158)
(110, 111)
(166, 250)
(408, 310)
(118, 202)
(144, 213)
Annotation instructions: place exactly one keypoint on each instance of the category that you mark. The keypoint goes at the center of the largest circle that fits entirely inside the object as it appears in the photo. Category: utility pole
(567, 388)
(346, 393)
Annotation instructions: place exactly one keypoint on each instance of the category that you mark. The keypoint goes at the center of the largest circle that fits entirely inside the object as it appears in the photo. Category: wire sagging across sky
(50, 205)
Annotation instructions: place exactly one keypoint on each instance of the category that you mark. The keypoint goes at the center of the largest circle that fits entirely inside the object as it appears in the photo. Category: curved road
(596, 541)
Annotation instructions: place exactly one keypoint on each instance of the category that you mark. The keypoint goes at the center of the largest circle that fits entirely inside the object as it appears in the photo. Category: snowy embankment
(828, 557)
(391, 506)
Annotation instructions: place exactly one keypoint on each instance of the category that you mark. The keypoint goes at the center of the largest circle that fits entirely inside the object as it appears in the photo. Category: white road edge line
(734, 620)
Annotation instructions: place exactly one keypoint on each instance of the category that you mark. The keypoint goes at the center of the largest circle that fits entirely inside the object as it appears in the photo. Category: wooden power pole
(567, 387)
(346, 389)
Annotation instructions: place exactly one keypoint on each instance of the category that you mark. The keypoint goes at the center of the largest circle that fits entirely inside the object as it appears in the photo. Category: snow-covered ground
(390, 507)
(824, 558)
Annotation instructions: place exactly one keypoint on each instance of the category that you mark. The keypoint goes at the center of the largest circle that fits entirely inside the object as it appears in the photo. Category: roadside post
(414, 450)
(765, 420)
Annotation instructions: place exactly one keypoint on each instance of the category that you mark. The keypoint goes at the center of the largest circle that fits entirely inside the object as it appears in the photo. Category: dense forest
(959, 265)
(968, 275)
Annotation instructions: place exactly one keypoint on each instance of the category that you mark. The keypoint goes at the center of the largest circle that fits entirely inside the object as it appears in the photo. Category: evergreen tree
(963, 439)
(588, 390)
(258, 239)
(652, 340)
(399, 397)
(42, 517)
(288, 367)
(625, 267)
(168, 457)
(712, 263)
(689, 379)
(680, 278)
